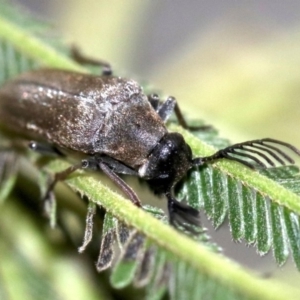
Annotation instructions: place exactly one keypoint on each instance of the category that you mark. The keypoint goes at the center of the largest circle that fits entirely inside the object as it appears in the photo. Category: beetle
(113, 126)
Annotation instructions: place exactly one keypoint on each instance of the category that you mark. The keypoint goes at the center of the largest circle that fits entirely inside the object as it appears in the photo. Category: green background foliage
(39, 263)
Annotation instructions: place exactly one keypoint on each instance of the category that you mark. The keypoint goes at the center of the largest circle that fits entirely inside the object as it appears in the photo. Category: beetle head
(168, 163)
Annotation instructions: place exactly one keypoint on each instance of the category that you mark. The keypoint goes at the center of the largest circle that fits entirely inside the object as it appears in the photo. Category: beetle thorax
(168, 163)
(128, 128)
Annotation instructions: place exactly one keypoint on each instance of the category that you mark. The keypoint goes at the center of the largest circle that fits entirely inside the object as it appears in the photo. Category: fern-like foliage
(259, 211)
(262, 208)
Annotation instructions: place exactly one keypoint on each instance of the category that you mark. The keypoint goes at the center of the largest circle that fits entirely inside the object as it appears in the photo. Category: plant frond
(153, 254)
(252, 206)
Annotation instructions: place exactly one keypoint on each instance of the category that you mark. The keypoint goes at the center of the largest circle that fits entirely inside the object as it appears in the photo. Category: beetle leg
(183, 123)
(45, 149)
(121, 183)
(181, 214)
(84, 60)
(118, 167)
(96, 163)
(166, 108)
(154, 101)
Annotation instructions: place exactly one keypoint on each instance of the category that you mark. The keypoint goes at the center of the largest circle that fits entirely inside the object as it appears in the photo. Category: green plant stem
(35, 48)
(196, 255)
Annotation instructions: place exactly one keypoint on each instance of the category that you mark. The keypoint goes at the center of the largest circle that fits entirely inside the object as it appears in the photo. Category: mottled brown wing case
(85, 113)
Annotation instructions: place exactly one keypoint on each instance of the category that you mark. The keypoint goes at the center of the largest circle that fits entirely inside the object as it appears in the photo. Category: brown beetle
(117, 128)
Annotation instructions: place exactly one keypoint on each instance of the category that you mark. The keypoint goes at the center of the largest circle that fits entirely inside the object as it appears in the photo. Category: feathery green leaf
(185, 267)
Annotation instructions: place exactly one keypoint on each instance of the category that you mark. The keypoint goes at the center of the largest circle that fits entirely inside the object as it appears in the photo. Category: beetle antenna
(253, 154)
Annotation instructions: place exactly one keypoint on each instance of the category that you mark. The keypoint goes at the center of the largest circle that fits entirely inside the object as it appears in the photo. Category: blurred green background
(235, 64)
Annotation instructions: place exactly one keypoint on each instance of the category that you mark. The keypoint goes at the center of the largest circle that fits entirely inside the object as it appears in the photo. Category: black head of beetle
(167, 164)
